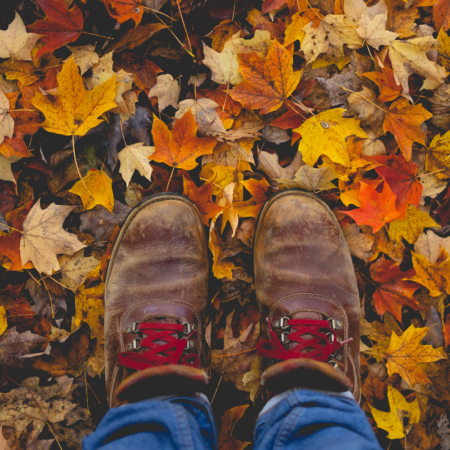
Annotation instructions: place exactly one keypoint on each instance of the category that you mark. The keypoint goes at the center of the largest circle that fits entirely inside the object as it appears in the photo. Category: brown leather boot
(307, 295)
(155, 301)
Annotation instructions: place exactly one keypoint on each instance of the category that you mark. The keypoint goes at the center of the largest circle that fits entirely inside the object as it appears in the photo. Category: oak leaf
(180, 147)
(95, 189)
(403, 121)
(202, 198)
(228, 421)
(123, 10)
(378, 208)
(60, 26)
(405, 353)
(73, 110)
(401, 417)
(167, 90)
(325, 133)
(329, 37)
(385, 80)
(392, 293)
(136, 157)
(15, 42)
(402, 179)
(268, 82)
(43, 237)
(411, 226)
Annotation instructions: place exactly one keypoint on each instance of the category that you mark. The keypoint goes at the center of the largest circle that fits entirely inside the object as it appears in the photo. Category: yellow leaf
(220, 268)
(252, 379)
(73, 110)
(394, 420)
(90, 308)
(413, 225)
(222, 176)
(325, 133)
(444, 40)
(3, 321)
(405, 353)
(95, 189)
(437, 155)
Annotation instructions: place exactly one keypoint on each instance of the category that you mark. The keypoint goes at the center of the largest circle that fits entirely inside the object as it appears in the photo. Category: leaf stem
(184, 26)
(158, 12)
(76, 165)
(93, 34)
(170, 178)
(366, 99)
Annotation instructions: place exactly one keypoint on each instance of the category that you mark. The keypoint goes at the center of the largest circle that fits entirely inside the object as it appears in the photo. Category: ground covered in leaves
(103, 103)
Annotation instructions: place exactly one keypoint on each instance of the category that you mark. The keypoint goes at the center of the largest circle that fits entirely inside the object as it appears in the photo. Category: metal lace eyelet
(284, 323)
(337, 356)
(284, 337)
(190, 345)
(133, 328)
(330, 337)
(335, 324)
(187, 328)
(334, 364)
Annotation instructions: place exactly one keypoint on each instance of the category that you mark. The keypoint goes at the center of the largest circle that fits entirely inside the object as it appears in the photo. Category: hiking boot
(307, 296)
(155, 300)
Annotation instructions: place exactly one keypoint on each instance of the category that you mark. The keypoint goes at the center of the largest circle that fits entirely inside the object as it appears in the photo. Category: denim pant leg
(166, 423)
(313, 420)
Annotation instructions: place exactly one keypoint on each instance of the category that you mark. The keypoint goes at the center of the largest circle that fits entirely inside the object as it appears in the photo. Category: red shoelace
(169, 352)
(319, 346)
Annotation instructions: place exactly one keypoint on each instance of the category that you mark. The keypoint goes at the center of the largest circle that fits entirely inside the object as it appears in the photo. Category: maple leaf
(15, 42)
(73, 110)
(377, 209)
(441, 15)
(60, 26)
(137, 36)
(223, 33)
(180, 147)
(437, 154)
(95, 189)
(228, 421)
(411, 226)
(84, 56)
(90, 308)
(311, 179)
(135, 157)
(403, 121)
(268, 163)
(405, 353)
(167, 90)
(123, 10)
(6, 120)
(221, 269)
(410, 57)
(294, 31)
(43, 237)
(252, 379)
(75, 268)
(261, 22)
(359, 244)
(22, 71)
(402, 179)
(325, 133)
(401, 20)
(3, 320)
(401, 417)
(392, 292)
(222, 99)
(237, 355)
(329, 37)
(385, 80)
(202, 198)
(268, 82)
(429, 244)
(144, 71)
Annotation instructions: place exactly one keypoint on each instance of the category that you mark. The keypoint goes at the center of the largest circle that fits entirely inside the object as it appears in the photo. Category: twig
(184, 26)
(50, 297)
(233, 354)
(158, 12)
(93, 34)
(366, 99)
(31, 275)
(170, 178)
(85, 385)
(76, 165)
(217, 388)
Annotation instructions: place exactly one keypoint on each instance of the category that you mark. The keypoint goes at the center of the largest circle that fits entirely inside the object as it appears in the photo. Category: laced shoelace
(319, 346)
(168, 352)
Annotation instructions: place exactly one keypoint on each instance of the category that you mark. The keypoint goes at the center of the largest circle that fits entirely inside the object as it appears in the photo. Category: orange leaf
(403, 121)
(441, 14)
(402, 179)
(447, 330)
(392, 292)
(223, 33)
(389, 89)
(268, 82)
(123, 10)
(202, 197)
(227, 423)
(180, 147)
(377, 209)
(261, 22)
(222, 99)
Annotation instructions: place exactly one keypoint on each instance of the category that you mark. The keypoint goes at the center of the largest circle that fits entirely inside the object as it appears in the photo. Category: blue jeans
(296, 419)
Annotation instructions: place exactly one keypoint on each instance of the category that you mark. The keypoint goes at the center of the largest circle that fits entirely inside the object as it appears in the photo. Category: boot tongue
(309, 315)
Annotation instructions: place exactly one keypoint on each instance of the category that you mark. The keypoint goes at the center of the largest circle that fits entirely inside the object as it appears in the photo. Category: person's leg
(174, 423)
(155, 302)
(313, 420)
(308, 299)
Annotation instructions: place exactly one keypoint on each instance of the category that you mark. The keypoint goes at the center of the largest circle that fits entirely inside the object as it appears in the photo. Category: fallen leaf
(205, 114)
(377, 209)
(441, 15)
(429, 245)
(144, 71)
(3, 320)
(294, 32)
(43, 237)
(401, 417)
(137, 36)
(392, 293)
(223, 33)
(124, 10)
(75, 268)
(180, 147)
(437, 155)
(136, 157)
(60, 26)
(221, 269)
(167, 90)
(15, 42)
(359, 244)
(227, 423)
(5, 169)
(405, 353)
(22, 71)
(84, 56)
(385, 80)
(268, 82)
(90, 308)
(95, 189)
(311, 179)
(252, 379)
(403, 121)
(268, 163)
(412, 226)
(325, 133)
(74, 111)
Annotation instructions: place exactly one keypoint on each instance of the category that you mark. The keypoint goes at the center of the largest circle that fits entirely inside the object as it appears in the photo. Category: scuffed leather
(158, 272)
(303, 269)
